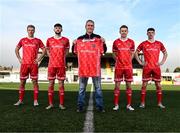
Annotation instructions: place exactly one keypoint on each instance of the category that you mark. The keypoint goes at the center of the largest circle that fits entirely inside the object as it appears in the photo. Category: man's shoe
(116, 107)
(49, 107)
(161, 106)
(36, 103)
(128, 107)
(18, 103)
(142, 105)
(62, 107)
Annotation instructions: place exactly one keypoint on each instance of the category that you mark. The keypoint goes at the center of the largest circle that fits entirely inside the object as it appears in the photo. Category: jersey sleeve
(132, 48)
(47, 44)
(102, 47)
(41, 45)
(67, 44)
(114, 48)
(163, 49)
(140, 47)
(19, 44)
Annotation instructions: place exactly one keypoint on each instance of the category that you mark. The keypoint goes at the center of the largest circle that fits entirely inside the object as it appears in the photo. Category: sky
(108, 15)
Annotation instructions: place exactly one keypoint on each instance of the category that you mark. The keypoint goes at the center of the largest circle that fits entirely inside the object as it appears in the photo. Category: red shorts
(125, 74)
(151, 74)
(59, 71)
(27, 69)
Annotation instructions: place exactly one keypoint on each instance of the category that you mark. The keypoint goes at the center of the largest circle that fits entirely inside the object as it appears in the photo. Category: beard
(58, 33)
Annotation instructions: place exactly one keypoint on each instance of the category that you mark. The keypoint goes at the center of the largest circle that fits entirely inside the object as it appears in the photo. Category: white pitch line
(89, 120)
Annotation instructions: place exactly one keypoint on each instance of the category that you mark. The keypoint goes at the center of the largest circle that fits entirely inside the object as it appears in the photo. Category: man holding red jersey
(29, 62)
(151, 65)
(57, 49)
(123, 52)
(89, 49)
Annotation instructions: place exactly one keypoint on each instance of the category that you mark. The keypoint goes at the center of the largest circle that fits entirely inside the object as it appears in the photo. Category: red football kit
(57, 55)
(123, 67)
(151, 51)
(30, 48)
(151, 69)
(57, 63)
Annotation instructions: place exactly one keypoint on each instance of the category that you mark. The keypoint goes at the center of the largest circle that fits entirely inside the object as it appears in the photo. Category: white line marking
(89, 120)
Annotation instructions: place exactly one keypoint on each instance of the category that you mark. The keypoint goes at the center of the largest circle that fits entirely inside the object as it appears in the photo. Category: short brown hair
(123, 26)
(150, 29)
(31, 26)
(57, 25)
(90, 21)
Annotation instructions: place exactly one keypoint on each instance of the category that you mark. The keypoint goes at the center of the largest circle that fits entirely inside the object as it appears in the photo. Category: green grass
(36, 119)
(27, 118)
(141, 120)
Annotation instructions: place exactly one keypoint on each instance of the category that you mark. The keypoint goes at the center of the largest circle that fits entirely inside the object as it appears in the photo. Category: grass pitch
(27, 118)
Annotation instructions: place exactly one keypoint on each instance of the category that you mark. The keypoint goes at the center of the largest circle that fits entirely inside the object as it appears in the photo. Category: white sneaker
(116, 107)
(36, 103)
(49, 107)
(129, 108)
(18, 103)
(161, 106)
(142, 105)
(62, 107)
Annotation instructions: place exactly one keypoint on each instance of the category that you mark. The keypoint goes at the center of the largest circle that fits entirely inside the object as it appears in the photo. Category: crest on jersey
(63, 42)
(129, 44)
(93, 45)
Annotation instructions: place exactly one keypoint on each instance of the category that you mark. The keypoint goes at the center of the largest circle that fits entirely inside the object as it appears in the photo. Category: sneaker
(161, 106)
(62, 107)
(128, 107)
(116, 107)
(142, 105)
(80, 110)
(36, 103)
(49, 107)
(100, 109)
(18, 103)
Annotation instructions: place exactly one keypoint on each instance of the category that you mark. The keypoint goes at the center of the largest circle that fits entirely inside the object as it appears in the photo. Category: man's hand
(20, 60)
(142, 63)
(160, 63)
(36, 61)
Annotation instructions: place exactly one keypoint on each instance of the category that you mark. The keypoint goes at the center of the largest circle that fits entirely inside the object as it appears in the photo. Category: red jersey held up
(89, 53)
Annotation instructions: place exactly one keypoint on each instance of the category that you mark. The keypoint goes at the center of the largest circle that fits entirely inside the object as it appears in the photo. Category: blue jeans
(98, 91)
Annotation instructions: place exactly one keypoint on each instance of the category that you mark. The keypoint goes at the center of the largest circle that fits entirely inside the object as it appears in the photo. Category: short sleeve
(132, 48)
(67, 44)
(41, 45)
(47, 43)
(19, 44)
(162, 48)
(140, 47)
(114, 48)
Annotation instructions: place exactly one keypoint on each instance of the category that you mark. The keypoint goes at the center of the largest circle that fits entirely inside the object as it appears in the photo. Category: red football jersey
(151, 51)
(123, 50)
(30, 49)
(89, 53)
(57, 51)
